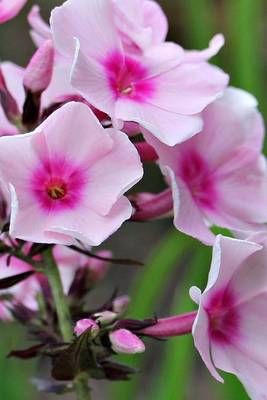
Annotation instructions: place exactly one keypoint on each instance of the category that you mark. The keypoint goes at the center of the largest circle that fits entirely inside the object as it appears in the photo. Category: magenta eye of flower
(195, 172)
(56, 190)
(223, 318)
(58, 184)
(128, 77)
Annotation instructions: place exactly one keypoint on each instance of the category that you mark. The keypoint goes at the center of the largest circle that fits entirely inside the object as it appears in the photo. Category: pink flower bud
(124, 341)
(84, 324)
(106, 317)
(38, 73)
(120, 304)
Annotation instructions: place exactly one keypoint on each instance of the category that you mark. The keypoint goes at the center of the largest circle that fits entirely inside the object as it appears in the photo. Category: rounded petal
(202, 342)
(88, 227)
(59, 87)
(73, 131)
(242, 196)
(141, 22)
(93, 86)
(168, 127)
(84, 20)
(233, 130)
(23, 223)
(252, 375)
(189, 88)
(187, 216)
(108, 181)
(228, 254)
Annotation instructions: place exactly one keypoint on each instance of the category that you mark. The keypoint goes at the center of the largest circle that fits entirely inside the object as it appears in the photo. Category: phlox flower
(10, 8)
(230, 329)
(219, 176)
(157, 89)
(68, 182)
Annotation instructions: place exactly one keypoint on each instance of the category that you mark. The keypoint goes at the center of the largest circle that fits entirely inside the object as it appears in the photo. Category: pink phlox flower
(67, 182)
(157, 89)
(230, 329)
(219, 176)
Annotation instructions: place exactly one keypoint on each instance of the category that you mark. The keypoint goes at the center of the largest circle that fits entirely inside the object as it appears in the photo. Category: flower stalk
(65, 325)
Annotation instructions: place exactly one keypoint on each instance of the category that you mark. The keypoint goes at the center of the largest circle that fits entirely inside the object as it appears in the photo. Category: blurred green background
(169, 370)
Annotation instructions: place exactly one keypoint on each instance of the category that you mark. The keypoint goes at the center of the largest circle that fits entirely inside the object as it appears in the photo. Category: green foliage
(14, 373)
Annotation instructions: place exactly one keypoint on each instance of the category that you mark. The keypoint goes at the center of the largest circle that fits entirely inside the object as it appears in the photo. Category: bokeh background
(170, 370)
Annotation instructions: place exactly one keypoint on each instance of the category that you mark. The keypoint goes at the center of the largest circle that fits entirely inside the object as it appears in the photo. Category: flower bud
(120, 304)
(105, 317)
(83, 324)
(39, 71)
(124, 341)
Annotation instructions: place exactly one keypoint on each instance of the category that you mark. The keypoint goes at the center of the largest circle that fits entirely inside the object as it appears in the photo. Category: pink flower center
(223, 317)
(58, 184)
(195, 172)
(128, 78)
(56, 189)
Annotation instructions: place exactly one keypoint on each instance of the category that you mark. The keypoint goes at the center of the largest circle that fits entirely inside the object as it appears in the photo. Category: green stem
(64, 318)
(62, 308)
(82, 388)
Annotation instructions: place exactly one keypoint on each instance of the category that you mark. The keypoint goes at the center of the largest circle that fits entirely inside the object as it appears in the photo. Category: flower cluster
(104, 93)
